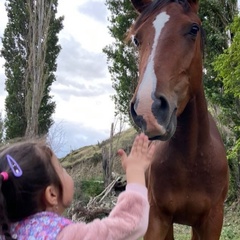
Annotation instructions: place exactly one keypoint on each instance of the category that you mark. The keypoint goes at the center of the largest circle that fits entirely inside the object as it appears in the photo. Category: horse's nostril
(132, 110)
(138, 119)
(161, 109)
(163, 103)
(160, 104)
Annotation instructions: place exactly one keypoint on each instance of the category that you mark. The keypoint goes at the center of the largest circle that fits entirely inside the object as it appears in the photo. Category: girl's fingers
(123, 157)
(135, 145)
(121, 153)
(151, 149)
(140, 143)
(145, 144)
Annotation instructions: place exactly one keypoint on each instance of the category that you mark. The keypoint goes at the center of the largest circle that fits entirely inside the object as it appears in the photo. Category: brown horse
(188, 180)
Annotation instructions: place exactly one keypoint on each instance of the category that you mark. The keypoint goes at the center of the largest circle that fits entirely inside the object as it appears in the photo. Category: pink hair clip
(4, 175)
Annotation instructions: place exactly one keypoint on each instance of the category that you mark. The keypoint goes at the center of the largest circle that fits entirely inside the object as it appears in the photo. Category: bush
(85, 189)
(233, 180)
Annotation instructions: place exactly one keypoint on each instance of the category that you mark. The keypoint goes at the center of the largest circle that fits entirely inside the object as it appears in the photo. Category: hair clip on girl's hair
(17, 171)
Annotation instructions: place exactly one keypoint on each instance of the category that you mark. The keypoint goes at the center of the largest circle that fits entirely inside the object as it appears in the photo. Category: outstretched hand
(138, 160)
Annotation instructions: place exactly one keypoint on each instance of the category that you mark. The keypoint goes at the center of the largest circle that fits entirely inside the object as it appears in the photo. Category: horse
(188, 178)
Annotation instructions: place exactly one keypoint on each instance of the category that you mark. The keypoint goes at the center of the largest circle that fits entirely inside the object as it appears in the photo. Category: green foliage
(85, 189)
(228, 64)
(233, 180)
(13, 52)
(229, 232)
(216, 16)
(96, 158)
(1, 128)
(121, 56)
(16, 54)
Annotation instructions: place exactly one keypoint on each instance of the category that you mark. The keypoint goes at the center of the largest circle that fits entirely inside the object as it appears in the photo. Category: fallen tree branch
(103, 194)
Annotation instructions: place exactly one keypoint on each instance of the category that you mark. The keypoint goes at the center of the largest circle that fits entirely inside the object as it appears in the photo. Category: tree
(121, 56)
(1, 128)
(227, 66)
(30, 48)
(216, 16)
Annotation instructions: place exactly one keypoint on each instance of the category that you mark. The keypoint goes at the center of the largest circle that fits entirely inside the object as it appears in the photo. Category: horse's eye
(194, 30)
(135, 41)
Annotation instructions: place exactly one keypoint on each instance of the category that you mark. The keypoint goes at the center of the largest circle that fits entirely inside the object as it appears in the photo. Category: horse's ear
(194, 5)
(140, 5)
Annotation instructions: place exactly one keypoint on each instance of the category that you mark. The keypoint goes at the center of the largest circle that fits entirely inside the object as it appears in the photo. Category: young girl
(35, 190)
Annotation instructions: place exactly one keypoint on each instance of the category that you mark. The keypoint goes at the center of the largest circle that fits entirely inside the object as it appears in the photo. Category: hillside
(86, 162)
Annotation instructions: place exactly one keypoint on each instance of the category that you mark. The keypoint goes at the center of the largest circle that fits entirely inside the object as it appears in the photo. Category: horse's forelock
(155, 5)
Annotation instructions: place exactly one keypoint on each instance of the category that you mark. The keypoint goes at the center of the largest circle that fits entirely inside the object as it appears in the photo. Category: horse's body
(188, 180)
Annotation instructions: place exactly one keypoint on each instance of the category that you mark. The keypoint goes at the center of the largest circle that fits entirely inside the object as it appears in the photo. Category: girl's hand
(139, 159)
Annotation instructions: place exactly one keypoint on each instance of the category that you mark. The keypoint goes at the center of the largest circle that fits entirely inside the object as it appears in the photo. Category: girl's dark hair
(23, 196)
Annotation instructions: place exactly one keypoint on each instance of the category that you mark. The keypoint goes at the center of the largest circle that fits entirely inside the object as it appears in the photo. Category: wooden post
(107, 160)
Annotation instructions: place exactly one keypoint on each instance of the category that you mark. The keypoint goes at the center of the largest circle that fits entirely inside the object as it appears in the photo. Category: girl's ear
(51, 196)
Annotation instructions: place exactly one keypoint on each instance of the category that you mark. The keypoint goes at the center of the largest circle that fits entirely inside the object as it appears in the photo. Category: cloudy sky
(84, 110)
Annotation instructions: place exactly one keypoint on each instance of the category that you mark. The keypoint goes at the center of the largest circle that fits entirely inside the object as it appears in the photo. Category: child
(35, 190)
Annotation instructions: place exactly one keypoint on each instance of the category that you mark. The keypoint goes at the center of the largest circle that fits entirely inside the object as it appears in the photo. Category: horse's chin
(170, 130)
(161, 138)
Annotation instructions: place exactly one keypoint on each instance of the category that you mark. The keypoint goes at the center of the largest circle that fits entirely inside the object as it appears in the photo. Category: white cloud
(95, 9)
(79, 21)
(75, 61)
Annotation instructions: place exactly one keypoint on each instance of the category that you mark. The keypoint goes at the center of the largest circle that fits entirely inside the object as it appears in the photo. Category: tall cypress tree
(1, 128)
(122, 55)
(20, 51)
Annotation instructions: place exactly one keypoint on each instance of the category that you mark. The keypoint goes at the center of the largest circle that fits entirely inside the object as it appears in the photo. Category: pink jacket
(127, 221)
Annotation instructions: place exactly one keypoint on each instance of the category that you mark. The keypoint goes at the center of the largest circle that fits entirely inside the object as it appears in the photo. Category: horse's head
(167, 34)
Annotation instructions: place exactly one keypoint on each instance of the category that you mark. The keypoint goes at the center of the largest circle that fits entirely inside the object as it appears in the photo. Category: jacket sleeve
(127, 221)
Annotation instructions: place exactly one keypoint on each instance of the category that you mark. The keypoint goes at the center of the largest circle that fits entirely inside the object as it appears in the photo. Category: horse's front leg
(211, 226)
(159, 227)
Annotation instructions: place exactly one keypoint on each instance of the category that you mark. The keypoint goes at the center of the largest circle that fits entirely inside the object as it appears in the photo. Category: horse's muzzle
(158, 120)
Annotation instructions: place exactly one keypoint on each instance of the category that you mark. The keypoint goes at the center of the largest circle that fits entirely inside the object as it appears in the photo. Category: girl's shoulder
(43, 225)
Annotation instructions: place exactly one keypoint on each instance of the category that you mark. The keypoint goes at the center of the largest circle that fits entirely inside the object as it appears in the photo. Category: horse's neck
(193, 123)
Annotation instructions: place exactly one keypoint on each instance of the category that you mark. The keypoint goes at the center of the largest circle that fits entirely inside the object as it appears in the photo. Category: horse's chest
(184, 187)
(184, 183)
(184, 172)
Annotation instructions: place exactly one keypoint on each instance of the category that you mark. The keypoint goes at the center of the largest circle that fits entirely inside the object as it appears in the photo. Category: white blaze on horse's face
(149, 81)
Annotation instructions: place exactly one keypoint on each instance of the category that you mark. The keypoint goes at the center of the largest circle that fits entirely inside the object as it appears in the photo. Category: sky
(84, 110)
